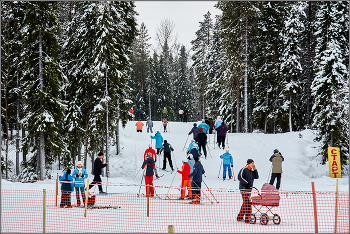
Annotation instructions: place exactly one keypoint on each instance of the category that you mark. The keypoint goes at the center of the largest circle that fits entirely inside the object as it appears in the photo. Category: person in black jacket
(194, 152)
(202, 141)
(246, 178)
(196, 183)
(149, 167)
(167, 154)
(98, 165)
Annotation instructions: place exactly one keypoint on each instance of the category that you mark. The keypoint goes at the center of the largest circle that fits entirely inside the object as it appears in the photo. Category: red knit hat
(201, 129)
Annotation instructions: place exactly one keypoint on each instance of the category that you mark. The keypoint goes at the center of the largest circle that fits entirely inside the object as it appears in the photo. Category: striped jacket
(246, 178)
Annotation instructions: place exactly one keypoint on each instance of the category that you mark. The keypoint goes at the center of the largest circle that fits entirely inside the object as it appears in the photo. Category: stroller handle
(257, 190)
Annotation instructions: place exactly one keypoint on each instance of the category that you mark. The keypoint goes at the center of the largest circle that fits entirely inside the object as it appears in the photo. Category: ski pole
(107, 178)
(136, 174)
(209, 150)
(185, 143)
(269, 174)
(171, 184)
(140, 186)
(220, 169)
(200, 190)
(210, 191)
(174, 159)
(233, 174)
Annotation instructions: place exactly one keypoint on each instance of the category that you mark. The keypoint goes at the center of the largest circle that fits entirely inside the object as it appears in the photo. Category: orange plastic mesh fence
(22, 211)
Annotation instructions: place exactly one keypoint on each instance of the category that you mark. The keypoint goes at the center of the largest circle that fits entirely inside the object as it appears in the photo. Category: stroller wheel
(252, 219)
(264, 219)
(276, 219)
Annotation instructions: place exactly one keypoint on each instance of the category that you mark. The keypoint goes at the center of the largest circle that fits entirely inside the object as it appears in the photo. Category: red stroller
(269, 198)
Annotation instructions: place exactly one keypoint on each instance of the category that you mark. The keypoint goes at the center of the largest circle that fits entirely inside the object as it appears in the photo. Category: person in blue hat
(194, 130)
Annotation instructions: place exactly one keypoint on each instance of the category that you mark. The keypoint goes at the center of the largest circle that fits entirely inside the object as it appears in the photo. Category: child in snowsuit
(227, 162)
(67, 189)
(186, 180)
(79, 174)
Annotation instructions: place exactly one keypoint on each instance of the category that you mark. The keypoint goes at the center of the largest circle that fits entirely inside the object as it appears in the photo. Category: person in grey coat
(149, 125)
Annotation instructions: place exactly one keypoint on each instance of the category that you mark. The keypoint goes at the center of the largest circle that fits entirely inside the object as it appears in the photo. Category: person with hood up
(194, 130)
(79, 174)
(67, 189)
(246, 178)
(159, 141)
(149, 167)
(165, 124)
(186, 180)
(202, 141)
(211, 125)
(139, 125)
(221, 134)
(276, 160)
(218, 122)
(149, 125)
(204, 126)
(227, 162)
(167, 154)
(196, 184)
(193, 142)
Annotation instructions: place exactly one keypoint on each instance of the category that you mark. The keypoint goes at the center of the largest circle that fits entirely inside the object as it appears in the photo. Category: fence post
(44, 209)
(336, 207)
(147, 187)
(170, 229)
(86, 197)
(315, 208)
(56, 188)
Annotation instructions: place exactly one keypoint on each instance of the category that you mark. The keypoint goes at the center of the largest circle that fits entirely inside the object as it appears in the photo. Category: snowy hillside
(300, 168)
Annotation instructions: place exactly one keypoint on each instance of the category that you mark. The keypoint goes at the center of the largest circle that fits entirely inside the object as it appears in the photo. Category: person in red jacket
(186, 180)
(152, 151)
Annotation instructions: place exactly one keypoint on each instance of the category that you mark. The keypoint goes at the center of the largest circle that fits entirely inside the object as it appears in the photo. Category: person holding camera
(276, 160)
(79, 174)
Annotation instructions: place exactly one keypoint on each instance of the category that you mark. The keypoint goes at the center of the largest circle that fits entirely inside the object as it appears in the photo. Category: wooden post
(315, 208)
(170, 229)
(44, 209)
(147, 187)
(86, 197)
(336, 207)
(56, 188)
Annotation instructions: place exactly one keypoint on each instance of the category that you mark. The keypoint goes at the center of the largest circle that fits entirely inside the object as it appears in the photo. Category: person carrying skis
(227, 162)
(165, 112)
(67, 188)
(194, 130)
(221, 134)
(167, 154)
(165, 124)
(193, 142)
(186, 180)
(149, 167)
(196, 184)
(202, 141)
(211, 125)
(246, 178)
(204, 126)
(79, 174)
(159, 141)
(98, 165)
(139, 125)
(276, 160)
(185, 116)
(149, 125)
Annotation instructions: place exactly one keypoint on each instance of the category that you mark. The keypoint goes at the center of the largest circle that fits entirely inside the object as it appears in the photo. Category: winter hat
(68, 171)
(203, 120)
(201, 129)
(165, 141)
(149, 145)
(195, 125)
(227, 150)
(185, 160)
(189, 156)
(276, 151)
(100, 154)
(79, 162)
(193, 141)
(218, 117)
(249, 161)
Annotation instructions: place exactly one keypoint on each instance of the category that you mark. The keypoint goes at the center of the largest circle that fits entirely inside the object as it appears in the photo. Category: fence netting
(25, 211)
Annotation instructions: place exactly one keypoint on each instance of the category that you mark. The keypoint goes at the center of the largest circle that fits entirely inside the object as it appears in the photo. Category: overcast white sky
(186, 16)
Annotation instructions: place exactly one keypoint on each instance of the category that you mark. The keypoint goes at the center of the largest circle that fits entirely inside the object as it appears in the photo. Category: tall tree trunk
(85, 145)
(246, 78)
(79, 151)
(6, 107)
(308, 72)
(42, 135)
(290, 116)
(17, 130)
(24, 151)
(238, 100)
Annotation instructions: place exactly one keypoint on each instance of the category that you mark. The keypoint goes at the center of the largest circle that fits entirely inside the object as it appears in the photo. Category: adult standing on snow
(167, 154)
(67, 189)
(165, 112)
(221, 134)
(196, 184)
(186, 180)
(227, 162)
(246, 178)
(202, 141)
(276, 160)
(165, 124)
(204, 126)
(139, 125)
(149, 125)
(98, 165)
(185, 116)
(149, 167)
(140, 113)
(79, 174)
(194, 130)
(181, 113)
(211, 125)
(159, 141)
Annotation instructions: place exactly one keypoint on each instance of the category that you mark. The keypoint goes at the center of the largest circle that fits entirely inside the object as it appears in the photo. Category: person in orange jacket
(186, 180)
(139, 126)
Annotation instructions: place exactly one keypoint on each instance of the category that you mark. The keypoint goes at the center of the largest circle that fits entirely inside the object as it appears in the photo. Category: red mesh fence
(23, 211)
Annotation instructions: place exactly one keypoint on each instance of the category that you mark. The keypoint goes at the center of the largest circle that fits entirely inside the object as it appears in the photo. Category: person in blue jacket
(218, 122)
(79, 174)
(66, 189)
(196, 176)
(204, 126)
(190, 161)
(227, 162)
(159, 141)
(193, 142)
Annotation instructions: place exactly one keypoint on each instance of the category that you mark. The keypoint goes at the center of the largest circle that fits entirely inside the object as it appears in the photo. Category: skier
(149, 167)
(218, 122)
(67, 189)
(149, 125)
(246, 178)
(195, 152)
(196, 176)
(185, 116)
(221, 134)
(152, 151)
(79, 174)
(276, 160)
(159, 141)
(194, 130)
(165, 112)
(211, 125)
(186, 180)
(190, 161)
(202, 141)
(228, 160)
(165, 124)
(181, 113)
(204, 126)
(139, 126)
(140, 113)
(193, 142)
(167, 154)
(98, 165)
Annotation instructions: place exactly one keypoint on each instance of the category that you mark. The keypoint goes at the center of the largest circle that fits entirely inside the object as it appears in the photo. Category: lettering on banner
(334, 162)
